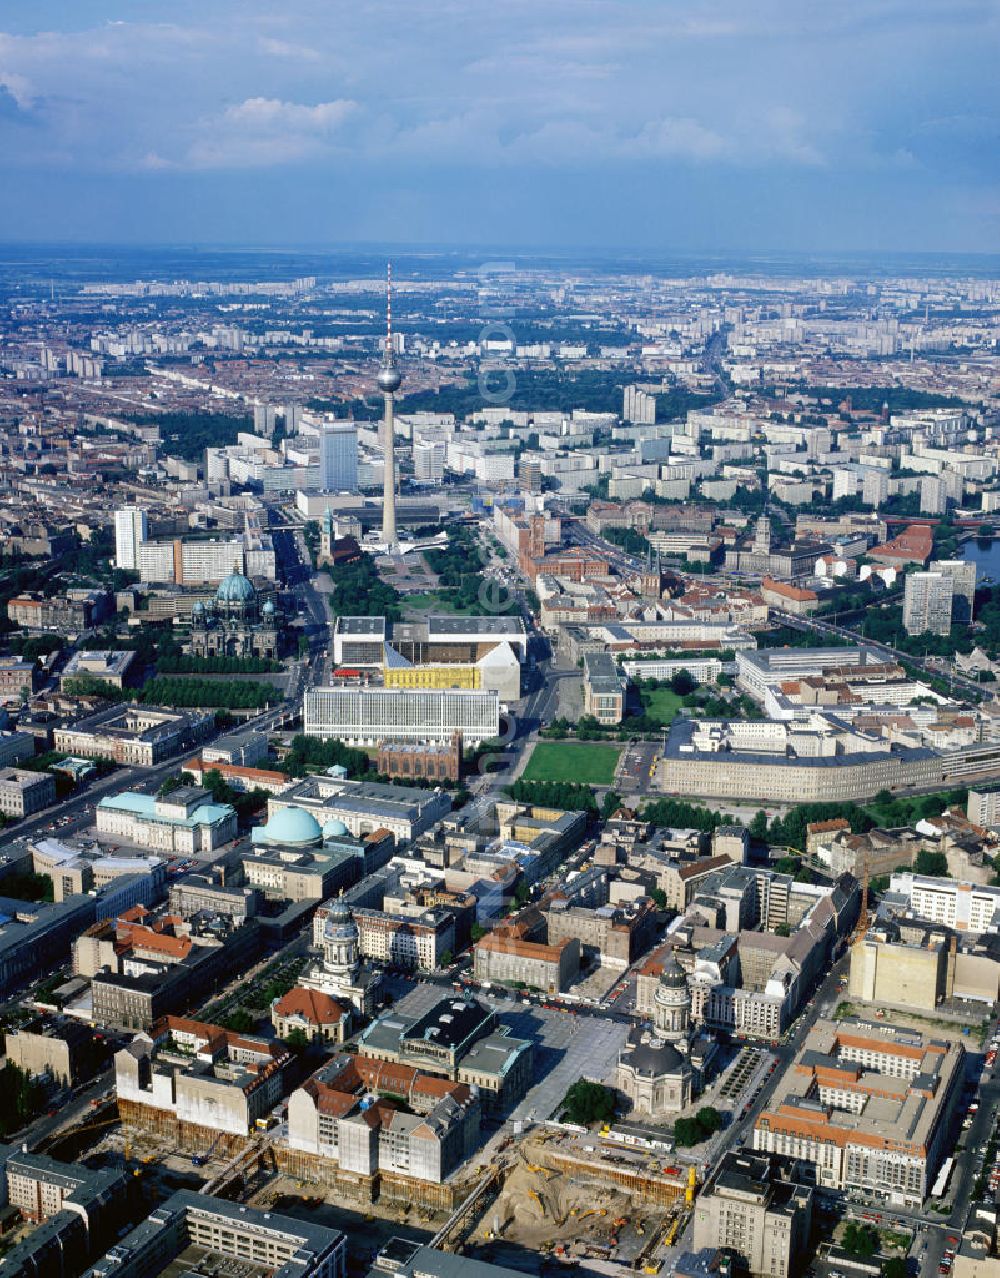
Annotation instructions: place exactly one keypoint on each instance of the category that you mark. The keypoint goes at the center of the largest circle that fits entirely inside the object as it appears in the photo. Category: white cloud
(545, 83)
(19, 88)
(153, 162)
(784, 136)
(262, 132)
(273, 114)
(677, 136)
(288, 49)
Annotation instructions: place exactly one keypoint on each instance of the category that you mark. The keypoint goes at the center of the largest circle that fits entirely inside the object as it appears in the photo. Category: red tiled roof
(317, 1008)
(788, 591)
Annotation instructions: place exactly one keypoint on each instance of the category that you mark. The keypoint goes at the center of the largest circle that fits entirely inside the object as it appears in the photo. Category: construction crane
(862, 924)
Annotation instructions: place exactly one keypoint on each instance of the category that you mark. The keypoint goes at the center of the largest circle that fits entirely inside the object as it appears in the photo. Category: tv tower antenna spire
(388, 310)
(389, 380)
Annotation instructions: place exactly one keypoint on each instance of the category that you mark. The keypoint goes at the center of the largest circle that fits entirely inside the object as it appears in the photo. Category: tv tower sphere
(389, 378)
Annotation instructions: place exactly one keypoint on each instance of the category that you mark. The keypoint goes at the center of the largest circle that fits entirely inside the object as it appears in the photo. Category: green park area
(588, 763)
(434, 601)
(660, 703)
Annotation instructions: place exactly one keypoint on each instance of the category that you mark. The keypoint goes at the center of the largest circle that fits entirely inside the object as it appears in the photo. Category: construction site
(550, 1199)
(553, 1197)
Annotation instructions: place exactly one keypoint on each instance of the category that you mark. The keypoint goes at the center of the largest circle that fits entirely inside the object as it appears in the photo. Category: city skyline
(635, 126)
(499, 639)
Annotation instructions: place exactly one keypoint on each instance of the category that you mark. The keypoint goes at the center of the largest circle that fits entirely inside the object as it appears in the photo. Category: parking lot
(636, 766)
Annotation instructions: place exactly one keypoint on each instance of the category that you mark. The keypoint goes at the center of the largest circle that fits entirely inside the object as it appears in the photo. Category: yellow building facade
(433, 676)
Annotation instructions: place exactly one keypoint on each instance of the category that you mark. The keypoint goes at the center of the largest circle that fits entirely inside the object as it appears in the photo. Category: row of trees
(184, 663)
(21, 1098)
(560, 389)
(168, 690)
(246, 802)
(869, 399)
(571, 796)
(588, 1103)
(631, 541)
(28, 887)
(675, 813)
(32, 647)
(88, 685)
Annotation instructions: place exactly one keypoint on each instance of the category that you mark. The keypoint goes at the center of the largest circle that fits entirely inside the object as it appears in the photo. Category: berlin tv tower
(389, 379)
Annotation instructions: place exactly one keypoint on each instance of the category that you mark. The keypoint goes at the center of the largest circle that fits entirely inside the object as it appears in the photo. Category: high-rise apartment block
(131, 530)
(927, 603)
(933, 495)
(338, 458)
(265, 418)
(875, 488)
(529, 471)
(639, 407)
(963, 584)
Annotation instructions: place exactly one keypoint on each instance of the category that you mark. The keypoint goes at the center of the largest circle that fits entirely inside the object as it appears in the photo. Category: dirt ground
(543, 1210)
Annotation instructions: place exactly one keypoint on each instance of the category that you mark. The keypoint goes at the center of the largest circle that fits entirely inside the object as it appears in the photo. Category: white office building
(198, 562)
(969, 908)
(207, 562)
(338, 458)
(131, 530)
(428, 461)
(366, 716)
(155, 561)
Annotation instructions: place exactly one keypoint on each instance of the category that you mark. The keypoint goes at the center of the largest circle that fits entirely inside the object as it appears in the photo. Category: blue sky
(625, 124)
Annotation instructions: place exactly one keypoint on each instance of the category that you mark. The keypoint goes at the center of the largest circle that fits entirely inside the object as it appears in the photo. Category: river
(986, 557)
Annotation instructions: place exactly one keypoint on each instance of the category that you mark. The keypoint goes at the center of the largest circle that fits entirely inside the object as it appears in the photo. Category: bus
(943, 1176)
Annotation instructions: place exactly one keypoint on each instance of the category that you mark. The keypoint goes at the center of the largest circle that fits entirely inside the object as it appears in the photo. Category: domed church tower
(341, 944)
(672, 1006)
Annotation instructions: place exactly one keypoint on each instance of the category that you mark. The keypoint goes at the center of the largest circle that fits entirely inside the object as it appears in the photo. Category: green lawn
(661, 704)
(432, 601)
(423, 602)
(590, 763)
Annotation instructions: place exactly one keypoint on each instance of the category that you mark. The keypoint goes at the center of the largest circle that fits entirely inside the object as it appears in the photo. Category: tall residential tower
(131, 531)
